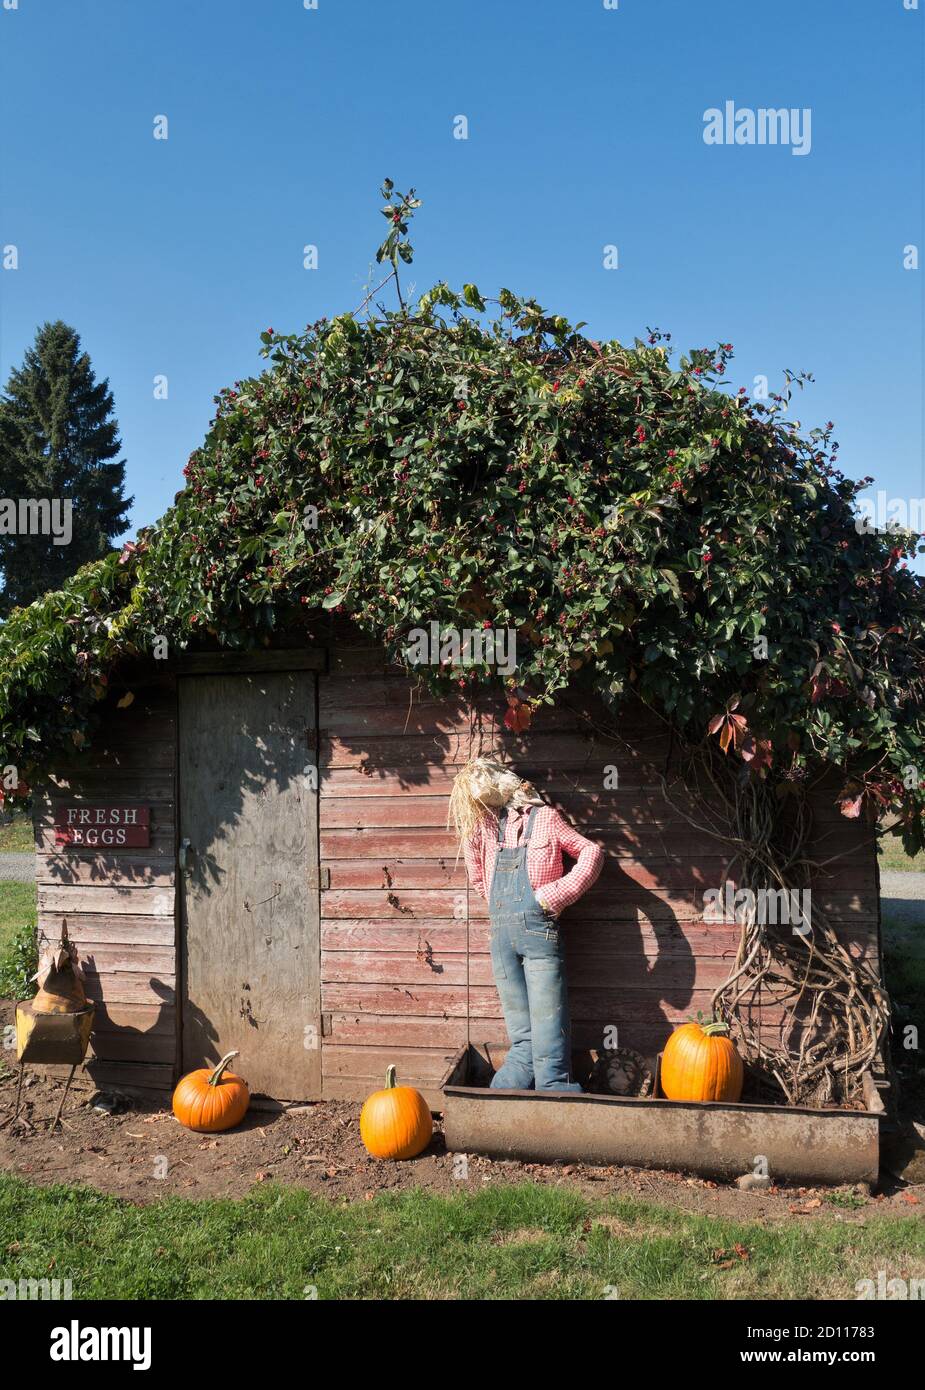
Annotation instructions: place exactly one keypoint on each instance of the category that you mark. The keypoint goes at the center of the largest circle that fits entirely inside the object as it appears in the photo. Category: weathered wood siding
(120, 906)
(405, 968)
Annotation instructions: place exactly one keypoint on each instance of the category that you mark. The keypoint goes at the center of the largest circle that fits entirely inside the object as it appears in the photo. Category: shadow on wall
(388, 754)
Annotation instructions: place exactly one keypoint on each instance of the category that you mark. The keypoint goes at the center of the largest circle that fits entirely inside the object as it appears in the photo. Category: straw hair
(466, 813)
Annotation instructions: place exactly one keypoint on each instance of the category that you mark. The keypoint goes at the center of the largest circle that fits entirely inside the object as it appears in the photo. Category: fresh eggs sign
(102, 827)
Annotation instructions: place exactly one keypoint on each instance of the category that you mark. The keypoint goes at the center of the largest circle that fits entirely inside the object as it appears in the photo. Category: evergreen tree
(58, 443)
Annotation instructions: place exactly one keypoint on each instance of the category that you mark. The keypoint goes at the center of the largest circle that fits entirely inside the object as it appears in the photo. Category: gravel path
(902, 896)
(17, 868)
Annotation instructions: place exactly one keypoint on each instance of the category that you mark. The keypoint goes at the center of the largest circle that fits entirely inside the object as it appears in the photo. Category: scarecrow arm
(556, 897)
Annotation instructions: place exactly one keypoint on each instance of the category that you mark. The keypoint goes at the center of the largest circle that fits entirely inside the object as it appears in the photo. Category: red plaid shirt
(551, 834)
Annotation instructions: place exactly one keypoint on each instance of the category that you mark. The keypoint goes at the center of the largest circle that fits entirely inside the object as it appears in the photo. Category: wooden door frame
(234, 663)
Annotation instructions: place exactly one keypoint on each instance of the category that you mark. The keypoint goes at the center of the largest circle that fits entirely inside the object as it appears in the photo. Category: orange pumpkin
(701, 1063)
(209, 1101)
(396, 1122)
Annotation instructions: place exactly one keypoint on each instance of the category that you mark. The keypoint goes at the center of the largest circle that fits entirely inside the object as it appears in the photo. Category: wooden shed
(253, 853)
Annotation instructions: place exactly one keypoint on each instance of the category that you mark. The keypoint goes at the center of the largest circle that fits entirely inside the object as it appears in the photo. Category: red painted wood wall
(406, 972)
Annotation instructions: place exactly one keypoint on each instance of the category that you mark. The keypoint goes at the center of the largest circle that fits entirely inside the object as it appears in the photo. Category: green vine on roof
(646, 528)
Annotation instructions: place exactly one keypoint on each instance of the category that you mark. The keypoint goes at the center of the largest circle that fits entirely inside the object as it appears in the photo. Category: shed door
(249, 898)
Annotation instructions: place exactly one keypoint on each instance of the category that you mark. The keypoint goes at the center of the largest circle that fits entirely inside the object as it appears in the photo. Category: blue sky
(585, 129)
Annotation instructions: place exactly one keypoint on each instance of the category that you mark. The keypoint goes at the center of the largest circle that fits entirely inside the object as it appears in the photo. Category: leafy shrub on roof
(645, 528)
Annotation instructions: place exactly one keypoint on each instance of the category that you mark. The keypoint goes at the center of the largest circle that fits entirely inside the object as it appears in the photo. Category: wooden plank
(481, 1002)
(153, 1081)
(364, 661)
(387, 706)
(628, 972)
(112, 900)
(135, 1020)
(250, 892)
(104, 958)
(345, 1088)
(94, 928)
(396, 1030)
(356, 934)
(131, 1076)
(117, 782)
(424, 1064)
(615, 810)
(386, 754)
(436, 779)
(159, 1048)
(103, 756)
(416, 842)
(353, 812)
(129, 868)
(544, 756)
(609, 942)
(617, 904)
(411, 903)
(700, 877)
(409, 842)
(402, 967)
(129, 987)
(437, 1001)
(249, 663)
(141, 1032)
(396, 873)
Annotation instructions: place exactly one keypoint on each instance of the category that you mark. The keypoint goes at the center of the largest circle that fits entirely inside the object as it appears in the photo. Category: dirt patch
(142, 1153)
(524, 1235)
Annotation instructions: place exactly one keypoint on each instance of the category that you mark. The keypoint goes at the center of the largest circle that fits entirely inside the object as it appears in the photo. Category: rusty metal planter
(713, 1140)
(53, 1038)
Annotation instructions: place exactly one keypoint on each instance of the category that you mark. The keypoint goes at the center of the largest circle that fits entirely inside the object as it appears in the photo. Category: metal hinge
(324, 880)
(325, 1025)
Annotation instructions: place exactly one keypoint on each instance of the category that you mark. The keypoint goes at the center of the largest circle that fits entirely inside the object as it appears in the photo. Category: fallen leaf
(806, 1208)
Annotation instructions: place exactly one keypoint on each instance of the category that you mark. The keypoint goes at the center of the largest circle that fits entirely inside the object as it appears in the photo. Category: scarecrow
(513, 845)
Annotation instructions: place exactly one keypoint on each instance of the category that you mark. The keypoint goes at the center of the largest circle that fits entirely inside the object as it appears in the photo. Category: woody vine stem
(808, 1017)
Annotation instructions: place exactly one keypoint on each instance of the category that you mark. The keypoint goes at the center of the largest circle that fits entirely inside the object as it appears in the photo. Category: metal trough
(712, 1139)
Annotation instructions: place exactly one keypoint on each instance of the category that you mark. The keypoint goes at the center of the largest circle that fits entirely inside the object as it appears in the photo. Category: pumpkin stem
(216, 1076)
(390, 1079)
(717, 1027)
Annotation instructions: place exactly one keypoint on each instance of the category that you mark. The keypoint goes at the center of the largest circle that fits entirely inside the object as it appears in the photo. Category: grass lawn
(17, 838)
(504, 1242)
(893, 856)
(524, 1242)
(17, 905)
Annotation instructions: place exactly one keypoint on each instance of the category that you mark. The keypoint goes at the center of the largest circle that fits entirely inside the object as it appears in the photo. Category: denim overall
(527, 959)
